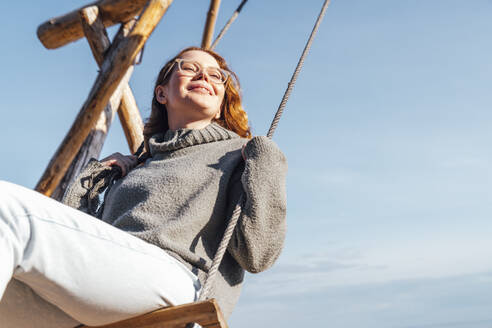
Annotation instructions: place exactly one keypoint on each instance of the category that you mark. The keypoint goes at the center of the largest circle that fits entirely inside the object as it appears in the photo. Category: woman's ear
(160, 94)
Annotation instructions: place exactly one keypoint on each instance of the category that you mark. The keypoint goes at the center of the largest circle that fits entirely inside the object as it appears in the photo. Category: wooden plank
(208, 31)
(206, 314)
(113, 69)
(58, 31)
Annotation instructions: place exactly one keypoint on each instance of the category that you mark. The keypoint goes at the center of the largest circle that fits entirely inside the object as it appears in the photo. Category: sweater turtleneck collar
(182, 138)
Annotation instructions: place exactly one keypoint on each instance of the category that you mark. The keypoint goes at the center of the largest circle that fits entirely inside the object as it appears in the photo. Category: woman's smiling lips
(201, 87)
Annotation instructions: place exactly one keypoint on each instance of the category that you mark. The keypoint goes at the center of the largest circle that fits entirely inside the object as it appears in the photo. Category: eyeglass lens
(192, 68)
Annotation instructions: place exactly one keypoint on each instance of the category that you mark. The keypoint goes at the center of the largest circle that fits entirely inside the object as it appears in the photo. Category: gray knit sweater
(181, 198)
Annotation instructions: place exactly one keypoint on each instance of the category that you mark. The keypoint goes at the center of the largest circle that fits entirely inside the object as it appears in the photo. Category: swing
(205, 311)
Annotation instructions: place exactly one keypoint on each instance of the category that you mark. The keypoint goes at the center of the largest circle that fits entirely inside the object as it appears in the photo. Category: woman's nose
(202, 75)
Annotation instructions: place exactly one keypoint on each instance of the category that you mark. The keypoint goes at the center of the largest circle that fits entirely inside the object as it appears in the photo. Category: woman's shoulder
(262, 146)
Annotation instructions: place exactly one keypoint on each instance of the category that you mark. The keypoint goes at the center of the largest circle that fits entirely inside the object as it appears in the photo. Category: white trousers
(60, 267)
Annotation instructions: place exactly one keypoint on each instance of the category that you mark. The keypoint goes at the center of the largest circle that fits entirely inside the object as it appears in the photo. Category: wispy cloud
(307, 273)
(335, 266)
(462, 301)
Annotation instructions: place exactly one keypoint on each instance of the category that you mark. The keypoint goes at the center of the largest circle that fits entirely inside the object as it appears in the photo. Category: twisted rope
(228, 24)
(237, 210)
(207, 288)
(287, 93)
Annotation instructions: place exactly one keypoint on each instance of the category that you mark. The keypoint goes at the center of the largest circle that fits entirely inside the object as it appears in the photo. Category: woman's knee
(13, 207)
(5, 186)
(19, 200)
(8, 189)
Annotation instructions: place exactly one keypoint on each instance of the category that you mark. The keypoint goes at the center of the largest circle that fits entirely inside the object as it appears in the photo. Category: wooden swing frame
(110, 92)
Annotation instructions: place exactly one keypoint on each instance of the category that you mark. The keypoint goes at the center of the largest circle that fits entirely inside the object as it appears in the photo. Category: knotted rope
(237, 210)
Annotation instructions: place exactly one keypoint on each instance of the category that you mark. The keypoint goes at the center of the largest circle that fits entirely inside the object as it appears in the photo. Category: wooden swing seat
(206, 313)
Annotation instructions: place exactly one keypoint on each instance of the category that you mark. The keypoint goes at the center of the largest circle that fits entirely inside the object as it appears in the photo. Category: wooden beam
(208, 31)
(206, 314)
(58, 31)
(99, 43)
(130, 118)
(95, 32)
(129, 115)
(113, 69)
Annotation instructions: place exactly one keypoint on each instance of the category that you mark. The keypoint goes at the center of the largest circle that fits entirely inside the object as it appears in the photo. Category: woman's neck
(195, 125)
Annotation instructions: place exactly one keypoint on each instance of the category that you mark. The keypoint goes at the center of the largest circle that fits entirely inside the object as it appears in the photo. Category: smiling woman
(160, 224)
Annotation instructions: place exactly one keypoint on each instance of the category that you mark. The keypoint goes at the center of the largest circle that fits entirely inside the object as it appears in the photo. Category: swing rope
(287, 93)
(237, 210)
(228, 24)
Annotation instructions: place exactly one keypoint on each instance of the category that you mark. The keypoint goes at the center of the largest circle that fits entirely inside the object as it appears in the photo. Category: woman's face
(192, 101)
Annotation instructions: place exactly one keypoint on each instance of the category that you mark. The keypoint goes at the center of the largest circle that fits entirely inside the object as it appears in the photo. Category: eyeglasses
(191, 68)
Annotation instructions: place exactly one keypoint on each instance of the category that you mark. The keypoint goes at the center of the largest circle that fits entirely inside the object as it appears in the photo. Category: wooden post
(129, 115)
(91, 148)
(95, 32)
(113, 69)
(208, 31)
(130, 119)
(128, 112)
(61, 30)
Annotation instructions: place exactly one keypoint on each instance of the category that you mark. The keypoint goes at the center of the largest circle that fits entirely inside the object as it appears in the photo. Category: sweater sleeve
(83, 193)
(260, 232)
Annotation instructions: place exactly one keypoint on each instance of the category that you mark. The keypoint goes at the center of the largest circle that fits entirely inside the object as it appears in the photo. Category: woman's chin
(202, 100)
(203, 105)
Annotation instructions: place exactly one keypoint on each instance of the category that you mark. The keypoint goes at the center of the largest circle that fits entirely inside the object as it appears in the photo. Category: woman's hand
(124, 162)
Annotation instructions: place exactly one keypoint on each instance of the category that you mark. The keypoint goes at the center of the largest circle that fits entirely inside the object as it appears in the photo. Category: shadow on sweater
(213, 231)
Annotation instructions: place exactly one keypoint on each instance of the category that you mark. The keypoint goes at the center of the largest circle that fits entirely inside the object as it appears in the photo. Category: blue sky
(387, 135)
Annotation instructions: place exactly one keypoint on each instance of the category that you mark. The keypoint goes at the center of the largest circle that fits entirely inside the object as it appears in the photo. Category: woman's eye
(216, 75)
(189, 67)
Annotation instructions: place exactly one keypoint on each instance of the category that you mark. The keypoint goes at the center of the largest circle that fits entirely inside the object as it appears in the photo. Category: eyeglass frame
(223, 71)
